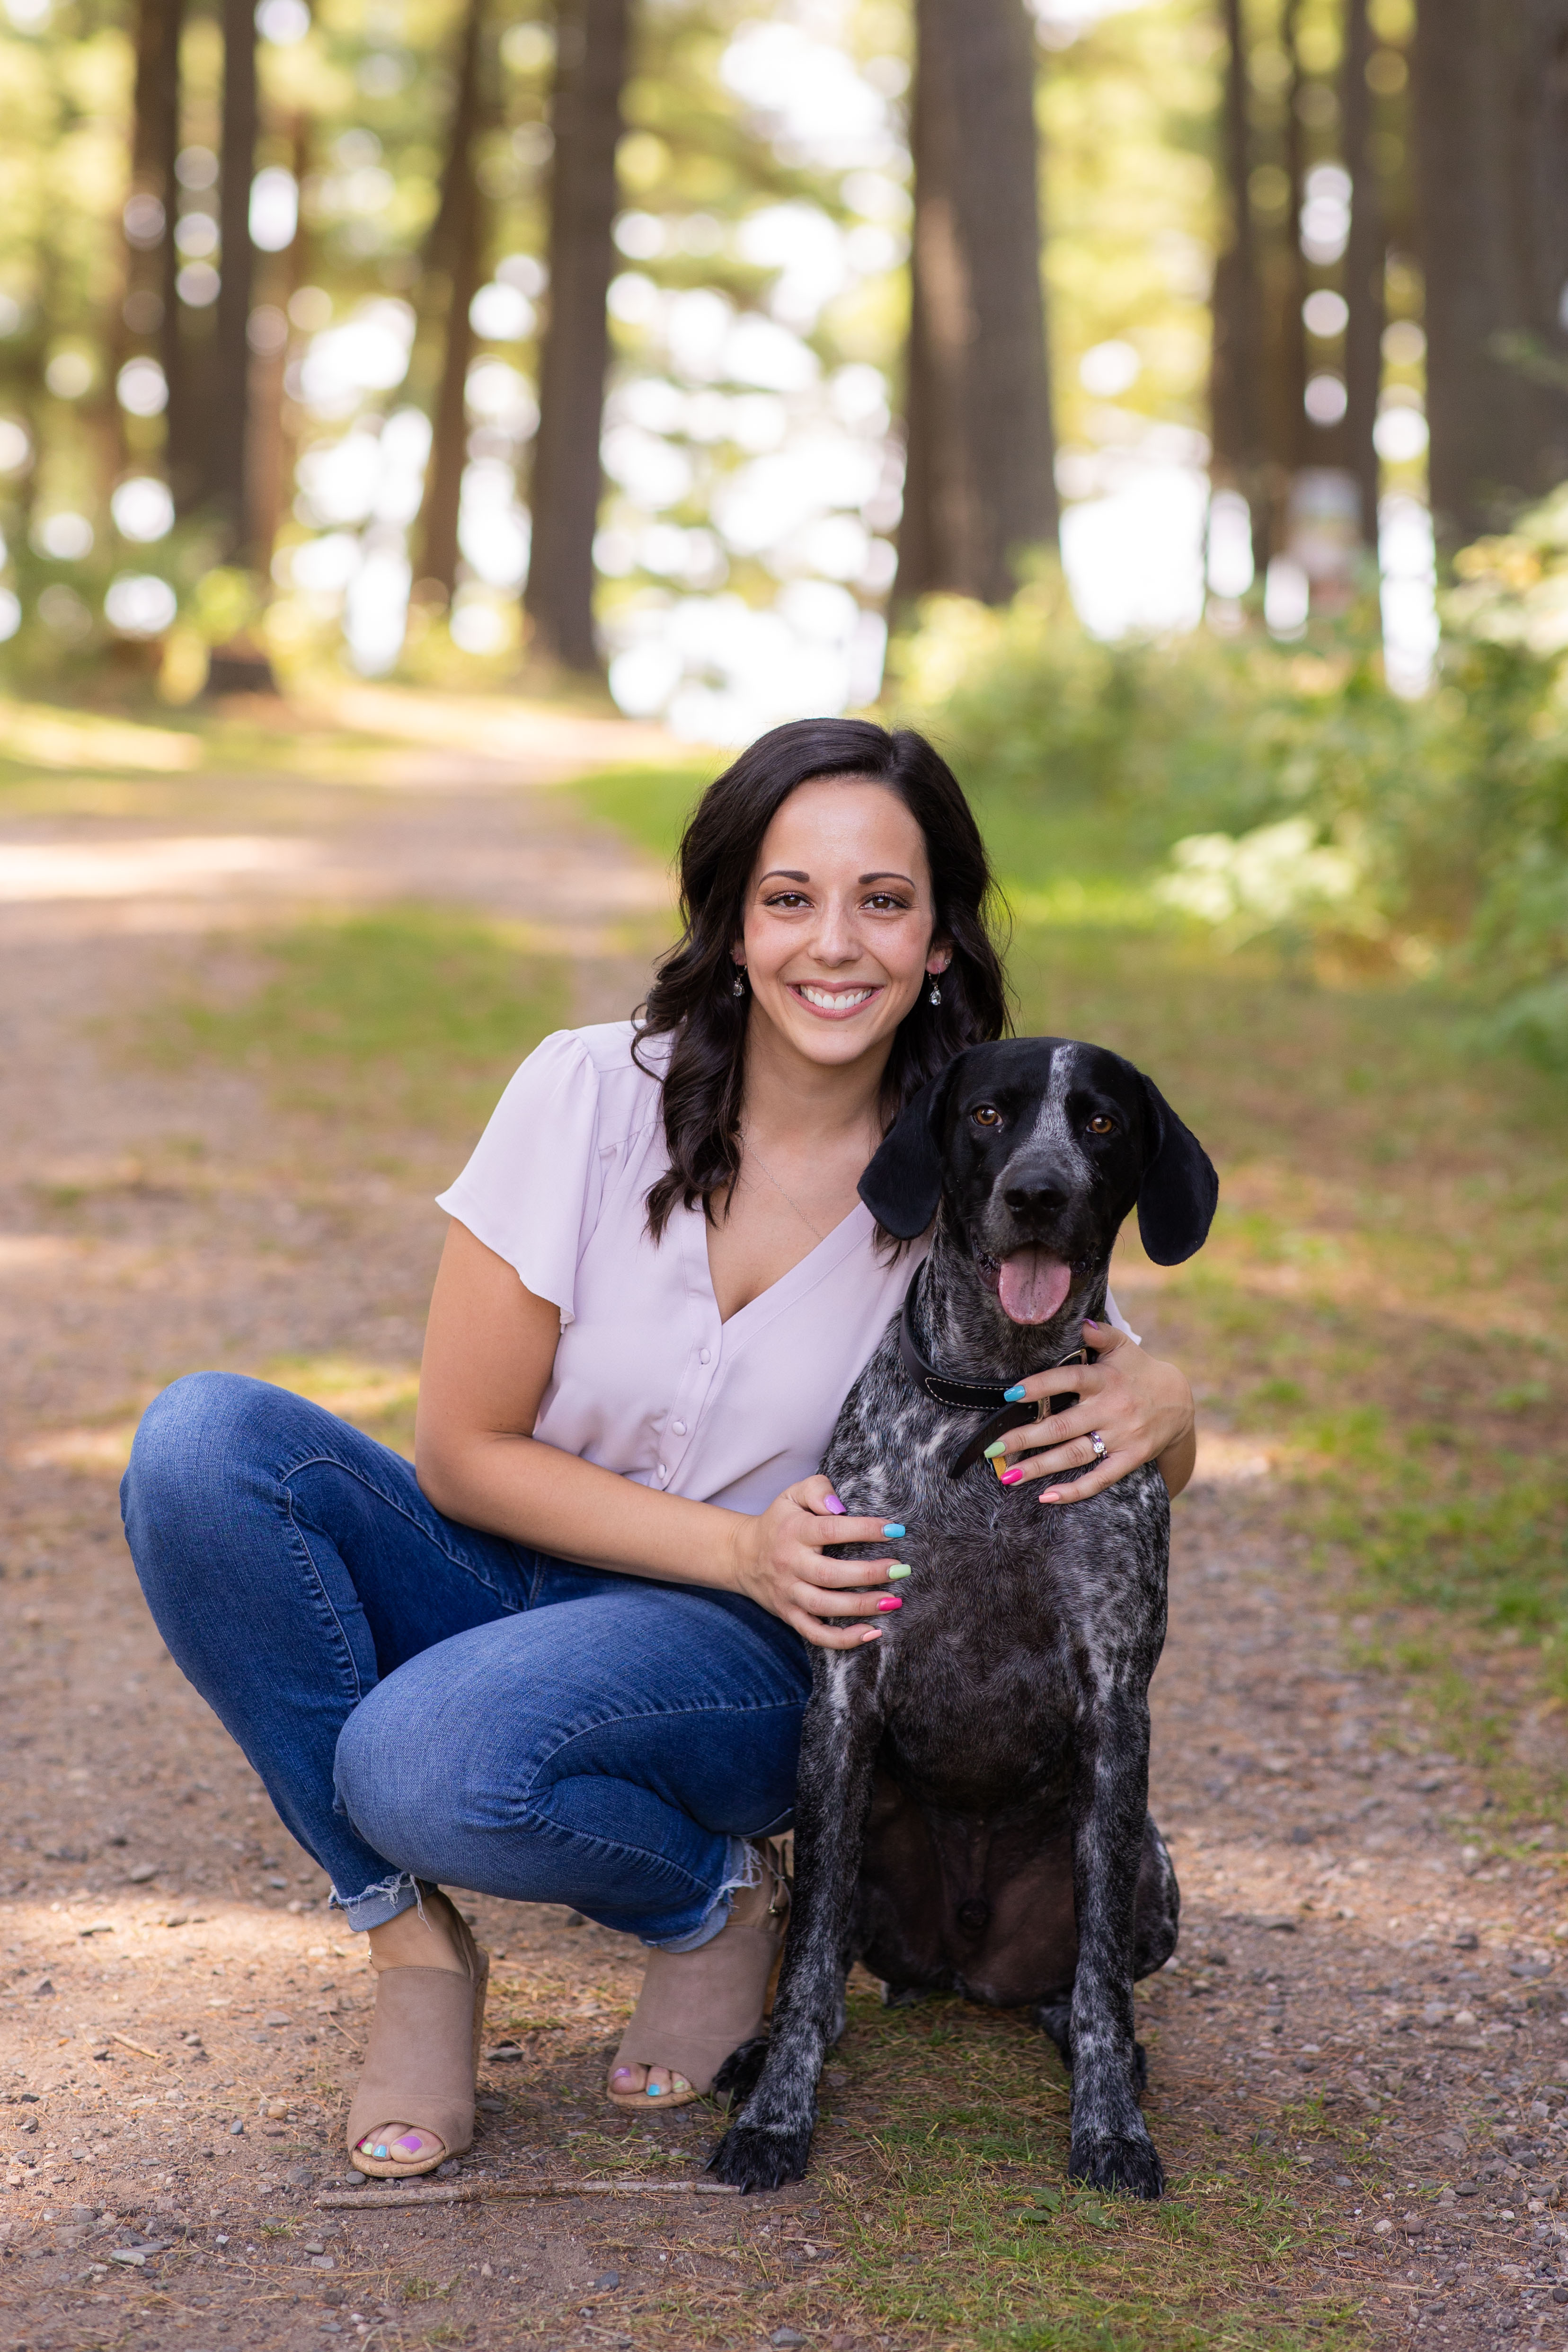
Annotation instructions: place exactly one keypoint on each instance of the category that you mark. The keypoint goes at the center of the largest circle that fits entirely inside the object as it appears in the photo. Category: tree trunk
(1293, 450)
(151, 269)
(1365, 270)
(979, 486)
(456, 239)
(228, 432)
(1237, 363)
(586, 117)
(1489, 104)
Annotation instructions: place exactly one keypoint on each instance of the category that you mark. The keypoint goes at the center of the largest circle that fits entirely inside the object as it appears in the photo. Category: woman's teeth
(834, 1000)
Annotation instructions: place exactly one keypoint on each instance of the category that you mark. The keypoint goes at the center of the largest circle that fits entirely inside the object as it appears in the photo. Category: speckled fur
(972, 1814)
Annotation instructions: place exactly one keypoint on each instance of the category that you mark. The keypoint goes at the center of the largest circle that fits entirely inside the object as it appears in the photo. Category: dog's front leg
(1111, 2144)
(770, 2140)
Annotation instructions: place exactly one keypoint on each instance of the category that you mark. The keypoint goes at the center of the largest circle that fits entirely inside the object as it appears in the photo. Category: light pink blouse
(648, 1380)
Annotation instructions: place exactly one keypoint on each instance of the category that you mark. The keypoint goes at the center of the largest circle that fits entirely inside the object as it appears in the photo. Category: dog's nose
(1036, 1193)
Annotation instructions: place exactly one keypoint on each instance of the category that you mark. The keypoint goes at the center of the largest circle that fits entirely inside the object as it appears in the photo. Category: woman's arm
(489, 1347)
(1141, 1407)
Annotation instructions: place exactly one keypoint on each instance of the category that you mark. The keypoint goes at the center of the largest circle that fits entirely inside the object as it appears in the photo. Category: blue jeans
(427, 1703)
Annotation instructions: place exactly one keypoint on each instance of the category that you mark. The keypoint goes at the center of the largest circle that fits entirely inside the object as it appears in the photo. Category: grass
(939, 2182)
(422, 1011)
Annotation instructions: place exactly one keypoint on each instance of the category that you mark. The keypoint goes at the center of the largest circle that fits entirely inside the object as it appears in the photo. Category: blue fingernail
(893, 1529)
(1015, 1395)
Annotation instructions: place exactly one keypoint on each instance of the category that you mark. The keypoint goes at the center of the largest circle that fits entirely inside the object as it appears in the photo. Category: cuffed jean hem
(387, 1899)
(741, 1869)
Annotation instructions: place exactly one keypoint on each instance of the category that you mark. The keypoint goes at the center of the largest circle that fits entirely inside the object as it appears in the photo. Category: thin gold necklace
(750, 1149)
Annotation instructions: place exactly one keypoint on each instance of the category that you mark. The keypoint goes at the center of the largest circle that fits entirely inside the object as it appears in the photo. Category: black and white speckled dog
(971, 1814)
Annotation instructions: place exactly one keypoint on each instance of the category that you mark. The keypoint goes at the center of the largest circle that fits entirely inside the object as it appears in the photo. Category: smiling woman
(564, 1660)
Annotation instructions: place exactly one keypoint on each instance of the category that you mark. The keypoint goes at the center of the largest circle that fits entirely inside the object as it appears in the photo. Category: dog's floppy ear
(1177, 1198)
(902, 1184)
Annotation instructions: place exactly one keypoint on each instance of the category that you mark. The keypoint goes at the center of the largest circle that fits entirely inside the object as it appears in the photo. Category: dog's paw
(753, 2156)
(1130, 2166)
(1055, 2021)
(738, 2077)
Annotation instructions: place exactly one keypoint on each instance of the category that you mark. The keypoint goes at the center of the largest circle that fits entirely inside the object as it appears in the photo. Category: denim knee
(192, 1439)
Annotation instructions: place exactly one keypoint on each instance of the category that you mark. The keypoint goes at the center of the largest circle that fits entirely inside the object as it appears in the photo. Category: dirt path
(1360, 2048)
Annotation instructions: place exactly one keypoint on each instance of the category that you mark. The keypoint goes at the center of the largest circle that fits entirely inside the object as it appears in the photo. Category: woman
(564, 1658)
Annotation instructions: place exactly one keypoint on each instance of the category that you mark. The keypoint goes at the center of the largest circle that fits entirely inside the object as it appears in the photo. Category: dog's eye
(986, 1115)
(1100, 1125)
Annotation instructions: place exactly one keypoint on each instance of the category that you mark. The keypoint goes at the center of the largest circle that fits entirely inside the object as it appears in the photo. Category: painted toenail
(653, 2090)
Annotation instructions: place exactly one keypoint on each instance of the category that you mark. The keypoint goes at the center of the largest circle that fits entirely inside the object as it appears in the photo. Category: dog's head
(1038, 1148)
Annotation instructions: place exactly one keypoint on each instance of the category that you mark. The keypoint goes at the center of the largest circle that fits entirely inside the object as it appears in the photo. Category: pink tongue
(1033, 1285)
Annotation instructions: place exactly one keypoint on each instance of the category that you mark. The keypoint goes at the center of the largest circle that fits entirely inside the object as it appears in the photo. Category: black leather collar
(975, 1396)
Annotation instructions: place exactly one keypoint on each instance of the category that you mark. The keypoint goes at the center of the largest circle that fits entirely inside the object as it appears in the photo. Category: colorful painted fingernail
(889, 1600)
(898, 1569)
(831, 1504)
(995, 1451)
(872, 1633)
(1015, 1395)
(1009, 1477)
(894, 1529)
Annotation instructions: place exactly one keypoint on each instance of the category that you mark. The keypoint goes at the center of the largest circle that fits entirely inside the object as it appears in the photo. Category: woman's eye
(789, 898)
(883, 903)
(986, 1115)
(1100, 1125)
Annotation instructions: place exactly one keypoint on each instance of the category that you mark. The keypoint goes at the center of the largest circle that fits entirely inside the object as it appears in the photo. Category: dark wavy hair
(692, 998)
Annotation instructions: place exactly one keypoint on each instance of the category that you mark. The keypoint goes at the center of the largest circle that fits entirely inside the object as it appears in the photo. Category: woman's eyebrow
(783, 874)
(888, 877)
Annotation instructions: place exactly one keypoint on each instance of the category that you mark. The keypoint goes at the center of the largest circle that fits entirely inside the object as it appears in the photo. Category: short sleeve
(531, 1190)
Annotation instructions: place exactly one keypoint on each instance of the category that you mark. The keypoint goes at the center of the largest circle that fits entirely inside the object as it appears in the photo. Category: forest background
(688, 345)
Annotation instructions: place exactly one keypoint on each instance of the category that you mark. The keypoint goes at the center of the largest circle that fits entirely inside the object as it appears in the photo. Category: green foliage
(424, 1009)
(1292, 794)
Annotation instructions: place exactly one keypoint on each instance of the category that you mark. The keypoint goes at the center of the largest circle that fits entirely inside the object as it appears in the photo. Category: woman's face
(838, 943)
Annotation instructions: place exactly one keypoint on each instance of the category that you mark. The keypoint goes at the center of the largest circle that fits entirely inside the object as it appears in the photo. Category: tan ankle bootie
(422, 2061)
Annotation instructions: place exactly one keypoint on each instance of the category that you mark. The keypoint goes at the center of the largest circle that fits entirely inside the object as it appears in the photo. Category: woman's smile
(834, 1000)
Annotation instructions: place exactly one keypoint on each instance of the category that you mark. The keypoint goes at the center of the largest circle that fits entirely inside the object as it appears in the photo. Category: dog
(973, 1813)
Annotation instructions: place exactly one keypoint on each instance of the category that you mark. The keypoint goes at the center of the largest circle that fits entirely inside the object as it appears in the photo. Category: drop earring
(740, 987)
(933, 994)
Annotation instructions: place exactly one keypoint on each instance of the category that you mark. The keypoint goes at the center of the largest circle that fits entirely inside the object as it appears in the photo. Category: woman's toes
(627, 2080)
(400, 2143)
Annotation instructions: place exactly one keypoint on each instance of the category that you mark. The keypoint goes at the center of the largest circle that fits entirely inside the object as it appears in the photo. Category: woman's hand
(1141, 1409)
(780, 1563)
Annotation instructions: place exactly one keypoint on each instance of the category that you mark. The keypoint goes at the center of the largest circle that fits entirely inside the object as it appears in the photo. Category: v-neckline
(836, 1233)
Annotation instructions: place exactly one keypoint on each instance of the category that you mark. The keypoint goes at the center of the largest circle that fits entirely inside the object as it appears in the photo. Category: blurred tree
(1364, 269)
(454, 257)
(1491, 93)
(152, 310)
(1235, 386)
(586, 121)
(979, 487)
(227, 473)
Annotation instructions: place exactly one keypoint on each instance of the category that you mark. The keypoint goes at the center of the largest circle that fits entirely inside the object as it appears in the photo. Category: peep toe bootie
(696, 2008)
(415, 2104)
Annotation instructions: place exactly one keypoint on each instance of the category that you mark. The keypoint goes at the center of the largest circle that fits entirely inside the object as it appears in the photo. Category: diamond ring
(1098, 1444)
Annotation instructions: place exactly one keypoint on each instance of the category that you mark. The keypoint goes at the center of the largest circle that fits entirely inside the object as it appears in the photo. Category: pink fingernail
(1056, 1495)
(831, 1503)
(889, 1600)
(1009, 1477)
(872, 1633)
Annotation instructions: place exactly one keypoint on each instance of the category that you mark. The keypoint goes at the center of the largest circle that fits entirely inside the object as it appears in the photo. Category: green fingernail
(898, 1570)
(994, 1452)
